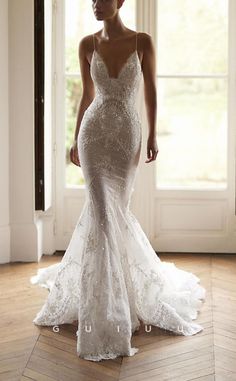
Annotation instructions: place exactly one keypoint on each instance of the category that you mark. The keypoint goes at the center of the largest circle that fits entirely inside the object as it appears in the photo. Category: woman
(110, 278)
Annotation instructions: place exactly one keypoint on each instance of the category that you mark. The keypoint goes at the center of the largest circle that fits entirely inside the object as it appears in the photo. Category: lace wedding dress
(110, 278)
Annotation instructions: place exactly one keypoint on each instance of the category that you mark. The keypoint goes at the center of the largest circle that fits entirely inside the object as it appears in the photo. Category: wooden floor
(29, 352)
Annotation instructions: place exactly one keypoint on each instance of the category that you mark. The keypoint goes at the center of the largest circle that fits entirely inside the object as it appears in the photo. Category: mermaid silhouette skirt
(110, 278)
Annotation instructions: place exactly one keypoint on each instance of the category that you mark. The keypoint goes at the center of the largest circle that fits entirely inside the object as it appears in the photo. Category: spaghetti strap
(94, 42)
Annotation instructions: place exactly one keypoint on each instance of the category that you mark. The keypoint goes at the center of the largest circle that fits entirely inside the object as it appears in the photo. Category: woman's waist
(112, 104)
(107, 113)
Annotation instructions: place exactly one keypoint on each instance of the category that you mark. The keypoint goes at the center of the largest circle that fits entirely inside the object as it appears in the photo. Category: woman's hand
(152, 148)
(74, 155)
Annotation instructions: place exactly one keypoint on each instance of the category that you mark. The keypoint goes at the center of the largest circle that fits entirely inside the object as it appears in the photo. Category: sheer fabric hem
(108, 356)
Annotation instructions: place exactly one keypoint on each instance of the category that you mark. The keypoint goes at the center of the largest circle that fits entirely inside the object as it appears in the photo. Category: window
(192, 58)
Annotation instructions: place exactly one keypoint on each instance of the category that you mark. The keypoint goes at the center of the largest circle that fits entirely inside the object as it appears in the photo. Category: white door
(194, 187)
(185, 201)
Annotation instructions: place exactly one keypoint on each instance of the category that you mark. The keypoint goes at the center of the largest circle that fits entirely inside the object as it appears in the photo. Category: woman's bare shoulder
(85, 41)
(145, 40)
(86, 44)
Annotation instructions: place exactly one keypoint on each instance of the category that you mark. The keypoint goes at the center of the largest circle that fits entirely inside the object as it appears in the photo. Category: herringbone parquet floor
(29, 352)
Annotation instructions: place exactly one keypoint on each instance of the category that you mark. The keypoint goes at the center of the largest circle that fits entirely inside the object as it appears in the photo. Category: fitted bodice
(125, 86)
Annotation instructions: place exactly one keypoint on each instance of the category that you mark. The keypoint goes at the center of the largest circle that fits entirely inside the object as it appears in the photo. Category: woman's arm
(150, 93)
(88, 92)
(87, 82)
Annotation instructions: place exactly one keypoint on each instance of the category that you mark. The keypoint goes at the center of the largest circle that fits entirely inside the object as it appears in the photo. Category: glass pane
(192, 132)
(192, 36)
(192, 112)
(80, 21)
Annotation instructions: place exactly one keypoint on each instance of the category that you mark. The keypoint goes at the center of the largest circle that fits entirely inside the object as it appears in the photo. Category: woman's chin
(99, 17)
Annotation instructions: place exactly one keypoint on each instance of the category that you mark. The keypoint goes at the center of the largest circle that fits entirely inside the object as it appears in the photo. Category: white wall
(23, 241)
(4, 136)
(24, 232)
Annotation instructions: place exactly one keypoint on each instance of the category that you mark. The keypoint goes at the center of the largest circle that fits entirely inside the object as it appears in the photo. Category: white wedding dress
(110, 277)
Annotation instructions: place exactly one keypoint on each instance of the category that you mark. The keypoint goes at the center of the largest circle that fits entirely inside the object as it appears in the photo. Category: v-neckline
(122, 67)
